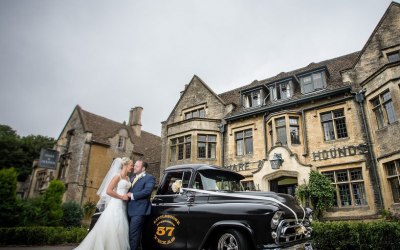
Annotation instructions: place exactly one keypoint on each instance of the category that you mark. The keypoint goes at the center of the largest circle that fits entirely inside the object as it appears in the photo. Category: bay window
(180, 148)
(206, 146)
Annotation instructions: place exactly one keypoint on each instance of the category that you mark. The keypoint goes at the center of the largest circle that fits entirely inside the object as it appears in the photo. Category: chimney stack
(135, 120)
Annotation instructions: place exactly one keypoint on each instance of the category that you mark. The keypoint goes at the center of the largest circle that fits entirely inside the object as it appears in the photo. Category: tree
(11, 154)
(319, 191)
(51, 210)
(31, 146)
(20, 152)
(8, 198)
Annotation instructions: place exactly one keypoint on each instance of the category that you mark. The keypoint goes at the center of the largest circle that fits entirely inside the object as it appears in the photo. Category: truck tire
(231, 239)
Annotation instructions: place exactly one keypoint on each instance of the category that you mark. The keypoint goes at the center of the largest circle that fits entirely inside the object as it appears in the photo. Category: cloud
(111, 56)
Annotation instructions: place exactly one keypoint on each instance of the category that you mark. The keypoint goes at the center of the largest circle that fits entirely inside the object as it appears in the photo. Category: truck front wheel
(232, 240)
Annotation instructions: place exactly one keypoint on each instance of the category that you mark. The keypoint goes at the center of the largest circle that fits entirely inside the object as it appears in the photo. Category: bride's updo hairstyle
(125, 161)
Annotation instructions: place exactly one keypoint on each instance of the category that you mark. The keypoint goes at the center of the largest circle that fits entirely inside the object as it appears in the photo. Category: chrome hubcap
(227, 242)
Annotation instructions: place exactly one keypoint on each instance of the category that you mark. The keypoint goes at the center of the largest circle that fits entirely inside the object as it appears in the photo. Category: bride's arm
(111, 187)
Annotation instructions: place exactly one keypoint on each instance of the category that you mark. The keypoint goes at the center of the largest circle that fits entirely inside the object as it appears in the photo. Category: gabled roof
(391, 6)
(186, 87)
(147, 145)
(101, 128)
(333, 66)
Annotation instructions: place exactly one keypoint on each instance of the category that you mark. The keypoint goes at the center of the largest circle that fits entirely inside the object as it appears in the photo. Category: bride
(111, 230)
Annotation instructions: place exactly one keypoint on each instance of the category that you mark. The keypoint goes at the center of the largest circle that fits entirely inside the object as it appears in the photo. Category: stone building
(88, 144)
(338, 117)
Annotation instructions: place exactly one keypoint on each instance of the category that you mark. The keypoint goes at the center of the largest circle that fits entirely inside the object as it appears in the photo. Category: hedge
(356, 235)
(41, 235)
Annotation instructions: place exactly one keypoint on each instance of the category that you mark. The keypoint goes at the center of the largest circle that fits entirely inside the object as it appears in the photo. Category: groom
(139, 206)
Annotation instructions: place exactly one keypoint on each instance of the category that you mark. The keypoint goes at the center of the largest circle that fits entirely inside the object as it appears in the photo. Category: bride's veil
(104, 197)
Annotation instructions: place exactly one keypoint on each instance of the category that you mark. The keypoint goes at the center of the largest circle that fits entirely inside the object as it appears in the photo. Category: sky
(110, 56)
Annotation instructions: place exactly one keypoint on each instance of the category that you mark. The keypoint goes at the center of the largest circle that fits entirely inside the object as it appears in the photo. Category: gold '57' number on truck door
(163, 230)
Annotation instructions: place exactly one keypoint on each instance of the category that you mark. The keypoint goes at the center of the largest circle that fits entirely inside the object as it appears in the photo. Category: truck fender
(228, 224)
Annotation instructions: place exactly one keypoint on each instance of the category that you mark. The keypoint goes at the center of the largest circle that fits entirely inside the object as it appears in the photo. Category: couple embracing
(126, 202)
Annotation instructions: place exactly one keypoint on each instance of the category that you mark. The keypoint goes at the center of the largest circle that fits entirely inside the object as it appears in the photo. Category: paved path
(61, 247)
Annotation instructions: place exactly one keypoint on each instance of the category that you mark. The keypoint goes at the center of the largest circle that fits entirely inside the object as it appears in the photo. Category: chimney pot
(135, 120)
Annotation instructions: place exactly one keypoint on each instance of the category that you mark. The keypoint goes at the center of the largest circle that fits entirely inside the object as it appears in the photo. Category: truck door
(166, 227)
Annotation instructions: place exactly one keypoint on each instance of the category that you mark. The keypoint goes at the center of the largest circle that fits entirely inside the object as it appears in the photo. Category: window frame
(245, 138)
(392, 178)
(121, 142)
(334, 125)
(393, 56)
(276, 93)
(293, 139)
(179, 148)
(383, 109)
(273, 127)
(248, 96)
(349, 183)
(40, 179)
(313, 81)
(279, 128)
(208, 144)
(195, 113)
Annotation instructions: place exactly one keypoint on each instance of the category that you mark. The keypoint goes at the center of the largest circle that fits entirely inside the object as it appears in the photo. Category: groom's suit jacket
(141, 191)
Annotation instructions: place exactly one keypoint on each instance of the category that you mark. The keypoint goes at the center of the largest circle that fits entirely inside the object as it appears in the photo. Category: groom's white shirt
(138, 178)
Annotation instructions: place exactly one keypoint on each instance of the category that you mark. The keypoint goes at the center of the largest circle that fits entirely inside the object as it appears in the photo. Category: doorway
(285, 185)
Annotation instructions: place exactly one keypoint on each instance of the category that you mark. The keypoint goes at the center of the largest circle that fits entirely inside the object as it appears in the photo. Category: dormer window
(312, 82)
(252, 99)
(280, 90)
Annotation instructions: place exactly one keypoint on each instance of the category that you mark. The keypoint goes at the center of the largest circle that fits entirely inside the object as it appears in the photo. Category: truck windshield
(217, 181)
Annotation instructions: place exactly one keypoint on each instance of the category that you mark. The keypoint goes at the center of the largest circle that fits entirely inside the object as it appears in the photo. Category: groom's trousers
(135, 230)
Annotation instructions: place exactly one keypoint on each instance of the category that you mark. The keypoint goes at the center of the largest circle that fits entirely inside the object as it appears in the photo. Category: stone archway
(282, 181)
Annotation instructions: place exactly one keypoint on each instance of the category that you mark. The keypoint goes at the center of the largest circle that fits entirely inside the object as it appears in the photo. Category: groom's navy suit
(139, 207)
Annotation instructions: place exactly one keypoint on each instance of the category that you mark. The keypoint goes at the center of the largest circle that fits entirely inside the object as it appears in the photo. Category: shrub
(41, 235)
(356, 235)
(72, 214)
(319, 190)
(30, 212)
(8, 198)
(89, 208)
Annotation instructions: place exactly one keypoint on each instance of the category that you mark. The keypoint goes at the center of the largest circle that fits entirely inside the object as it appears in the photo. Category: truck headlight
(275, 219)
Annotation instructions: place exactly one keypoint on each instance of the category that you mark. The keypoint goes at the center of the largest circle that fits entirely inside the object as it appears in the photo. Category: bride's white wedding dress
(111, 230)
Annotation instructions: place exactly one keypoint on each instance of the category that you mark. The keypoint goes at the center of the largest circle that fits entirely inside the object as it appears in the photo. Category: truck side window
(173, 181)
(197, 182)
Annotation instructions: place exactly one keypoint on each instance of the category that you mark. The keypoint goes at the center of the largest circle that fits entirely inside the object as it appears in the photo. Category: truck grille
(289, 231)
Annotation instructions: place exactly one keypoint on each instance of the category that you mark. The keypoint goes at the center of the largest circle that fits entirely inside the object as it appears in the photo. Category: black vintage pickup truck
(204, 207)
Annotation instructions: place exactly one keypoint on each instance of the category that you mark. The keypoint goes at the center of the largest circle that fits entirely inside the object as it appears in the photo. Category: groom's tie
(135, 180)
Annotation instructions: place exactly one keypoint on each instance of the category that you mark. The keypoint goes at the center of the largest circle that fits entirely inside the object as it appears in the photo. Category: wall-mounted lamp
(276, 162)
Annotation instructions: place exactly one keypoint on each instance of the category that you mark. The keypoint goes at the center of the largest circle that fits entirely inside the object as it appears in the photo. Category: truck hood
(283, 202)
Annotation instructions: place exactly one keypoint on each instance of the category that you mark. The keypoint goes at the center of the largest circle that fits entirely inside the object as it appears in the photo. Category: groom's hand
(129, 194)
(125, 197)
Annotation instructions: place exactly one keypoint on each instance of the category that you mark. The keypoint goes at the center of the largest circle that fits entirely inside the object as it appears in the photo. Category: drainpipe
(86, 174)
(303, 119)
(359, 97)
(265, 135)
(222, 132)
